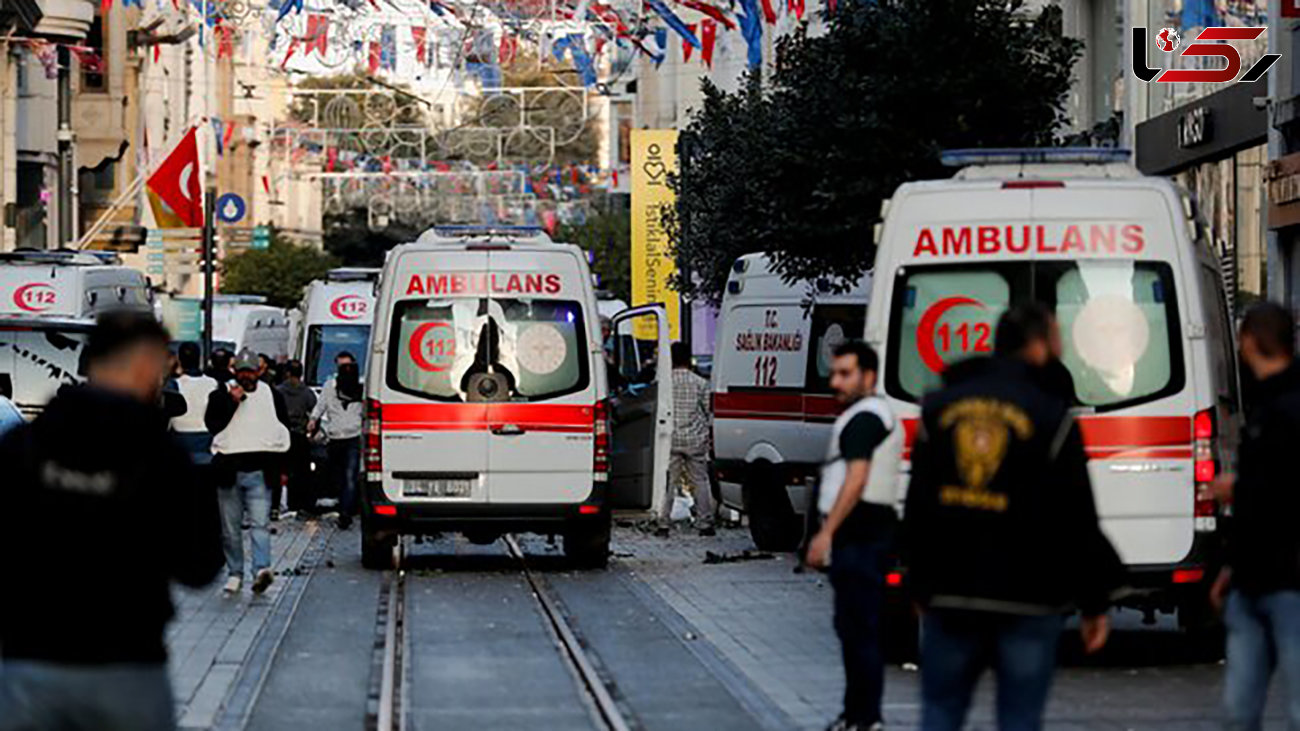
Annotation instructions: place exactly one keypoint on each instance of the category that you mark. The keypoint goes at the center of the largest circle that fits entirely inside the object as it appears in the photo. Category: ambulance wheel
(773, 524)
(376, 551)
(586, 544)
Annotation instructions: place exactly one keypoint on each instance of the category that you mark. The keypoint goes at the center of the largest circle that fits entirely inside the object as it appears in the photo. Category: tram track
(389, 700)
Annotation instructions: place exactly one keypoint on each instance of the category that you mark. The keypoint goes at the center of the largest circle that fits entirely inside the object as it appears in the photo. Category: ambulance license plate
(436, 488)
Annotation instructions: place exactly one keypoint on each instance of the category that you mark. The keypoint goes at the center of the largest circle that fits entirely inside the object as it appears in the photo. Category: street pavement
(736, 641)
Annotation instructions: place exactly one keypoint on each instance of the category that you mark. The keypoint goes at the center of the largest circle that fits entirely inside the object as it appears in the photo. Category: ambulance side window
(831, 326)
(1218, 327)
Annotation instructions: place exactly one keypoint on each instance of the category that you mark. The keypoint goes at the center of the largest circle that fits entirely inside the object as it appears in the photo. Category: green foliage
(608, 236)
(279, 272)
(799, 169)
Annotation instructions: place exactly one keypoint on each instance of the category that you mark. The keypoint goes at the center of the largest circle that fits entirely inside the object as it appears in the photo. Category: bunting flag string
(751, 27)
(686, 46)
(317, 38)
(713, 11)
(675, 22)
(418, 34)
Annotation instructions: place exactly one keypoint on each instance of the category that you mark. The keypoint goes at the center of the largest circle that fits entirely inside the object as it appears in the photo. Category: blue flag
(674, 22)
(751, 27)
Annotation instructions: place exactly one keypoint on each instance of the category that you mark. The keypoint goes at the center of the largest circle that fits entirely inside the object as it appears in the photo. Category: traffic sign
(261, 237)
(231, 208)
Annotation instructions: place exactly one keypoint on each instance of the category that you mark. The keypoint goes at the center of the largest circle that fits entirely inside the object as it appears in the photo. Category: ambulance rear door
(537, 321)
(640, 410)
(435, 446)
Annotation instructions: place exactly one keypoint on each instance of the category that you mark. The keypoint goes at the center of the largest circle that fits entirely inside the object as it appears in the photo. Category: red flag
(104, 6)
(708, 36)
(795, 6)
(157, 51)
(225, 41)
(712, 11)
(266, 184)
(769, 12)
(178, 182)
(331, 159)
(375, 53)
(230, 132)
(686, 45)
(508, 49)
(318, 27)
(421, 46)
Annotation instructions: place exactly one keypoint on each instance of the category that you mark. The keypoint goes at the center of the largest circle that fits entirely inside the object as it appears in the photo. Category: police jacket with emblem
(999, 514)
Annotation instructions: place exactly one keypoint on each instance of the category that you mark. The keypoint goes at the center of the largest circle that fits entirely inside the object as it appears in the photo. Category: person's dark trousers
(116, 697)
(956, 647)
(302, 496)
(345, 463)
(858, 577)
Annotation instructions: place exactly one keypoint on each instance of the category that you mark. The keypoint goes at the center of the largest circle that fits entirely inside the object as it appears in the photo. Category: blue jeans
(249, 493)
(858, 578)
(123, 697)
(1263, 635)
(345, 467)
(956, 647)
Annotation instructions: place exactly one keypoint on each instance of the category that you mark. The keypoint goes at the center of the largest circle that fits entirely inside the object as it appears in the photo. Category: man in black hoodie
(81, 625)
(1261, 577)
(1000, 533)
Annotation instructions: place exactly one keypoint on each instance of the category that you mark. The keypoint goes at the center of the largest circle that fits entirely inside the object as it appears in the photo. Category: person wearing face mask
(250, 436)
(338, 415)
(99, 469)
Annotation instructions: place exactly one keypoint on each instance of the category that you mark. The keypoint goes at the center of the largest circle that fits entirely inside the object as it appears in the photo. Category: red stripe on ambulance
(478, 417)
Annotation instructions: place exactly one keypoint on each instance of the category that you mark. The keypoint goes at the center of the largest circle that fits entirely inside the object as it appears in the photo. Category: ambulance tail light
(600, 452)
(1205, 469)
(374, 436)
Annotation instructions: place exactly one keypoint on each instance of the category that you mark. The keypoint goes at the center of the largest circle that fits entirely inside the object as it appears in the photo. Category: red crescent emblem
(925, 329)
(34, 297)
(416, 347)
(348, 307)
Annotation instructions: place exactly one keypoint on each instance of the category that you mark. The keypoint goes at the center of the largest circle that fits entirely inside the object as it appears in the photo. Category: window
(534, 348)
(325, 342)
(93, 79)
(831, 326)
(36, 362)
(1119, 324)
(1218, 330)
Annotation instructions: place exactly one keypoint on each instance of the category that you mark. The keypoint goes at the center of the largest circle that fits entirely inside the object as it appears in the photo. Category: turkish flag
(178, 182)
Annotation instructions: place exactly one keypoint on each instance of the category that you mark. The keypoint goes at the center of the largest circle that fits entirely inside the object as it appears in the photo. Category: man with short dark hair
(195, 387)
(250, 435)
(855, 498)
(1260, 580)
(338, 413)
(1000, 531)
(692, 431)
(82, 622)
(299, 401)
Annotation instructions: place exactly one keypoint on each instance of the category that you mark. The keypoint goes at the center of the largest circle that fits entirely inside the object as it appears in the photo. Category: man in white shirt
(250, 436)
(338, 414)
(856, 499)
(195, 387)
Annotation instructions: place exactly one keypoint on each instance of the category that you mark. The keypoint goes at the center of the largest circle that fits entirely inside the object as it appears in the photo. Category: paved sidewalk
(212, 636)
(775, 627)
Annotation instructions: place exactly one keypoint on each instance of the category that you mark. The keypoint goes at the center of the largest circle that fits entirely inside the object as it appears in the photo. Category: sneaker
(262, 580)
(662, 531)
(708, 532)
(233, 584)
(275, 514)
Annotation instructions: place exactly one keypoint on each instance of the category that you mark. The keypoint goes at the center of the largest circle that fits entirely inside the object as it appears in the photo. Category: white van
(488, 409)
(772, 403)
(337, 314)
(1125, 264)
(244, 323)
(48, 302)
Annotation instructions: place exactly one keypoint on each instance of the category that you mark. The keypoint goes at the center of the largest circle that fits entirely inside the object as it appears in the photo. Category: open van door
(640, 409)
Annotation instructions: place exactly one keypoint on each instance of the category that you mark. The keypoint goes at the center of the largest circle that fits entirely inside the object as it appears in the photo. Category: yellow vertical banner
(654, 157)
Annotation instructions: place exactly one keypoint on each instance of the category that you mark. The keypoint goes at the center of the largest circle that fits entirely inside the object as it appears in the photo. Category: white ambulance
(244, 323)
(488, 409)
(337, 314)
(772, 402)
(1125, 264)
(48, 302)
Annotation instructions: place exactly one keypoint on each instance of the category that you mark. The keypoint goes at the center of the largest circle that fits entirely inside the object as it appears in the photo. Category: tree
(799, 169)
(279, 272)
(607, 234)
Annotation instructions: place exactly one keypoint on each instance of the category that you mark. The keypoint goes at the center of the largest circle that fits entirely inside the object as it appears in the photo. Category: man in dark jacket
(250, 436)
(1261, 576)
(1000, 532)
(81, 625)
(299, 400)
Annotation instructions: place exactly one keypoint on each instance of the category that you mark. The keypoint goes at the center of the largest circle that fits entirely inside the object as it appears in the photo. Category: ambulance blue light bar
(486, 230)
(1030, 155)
